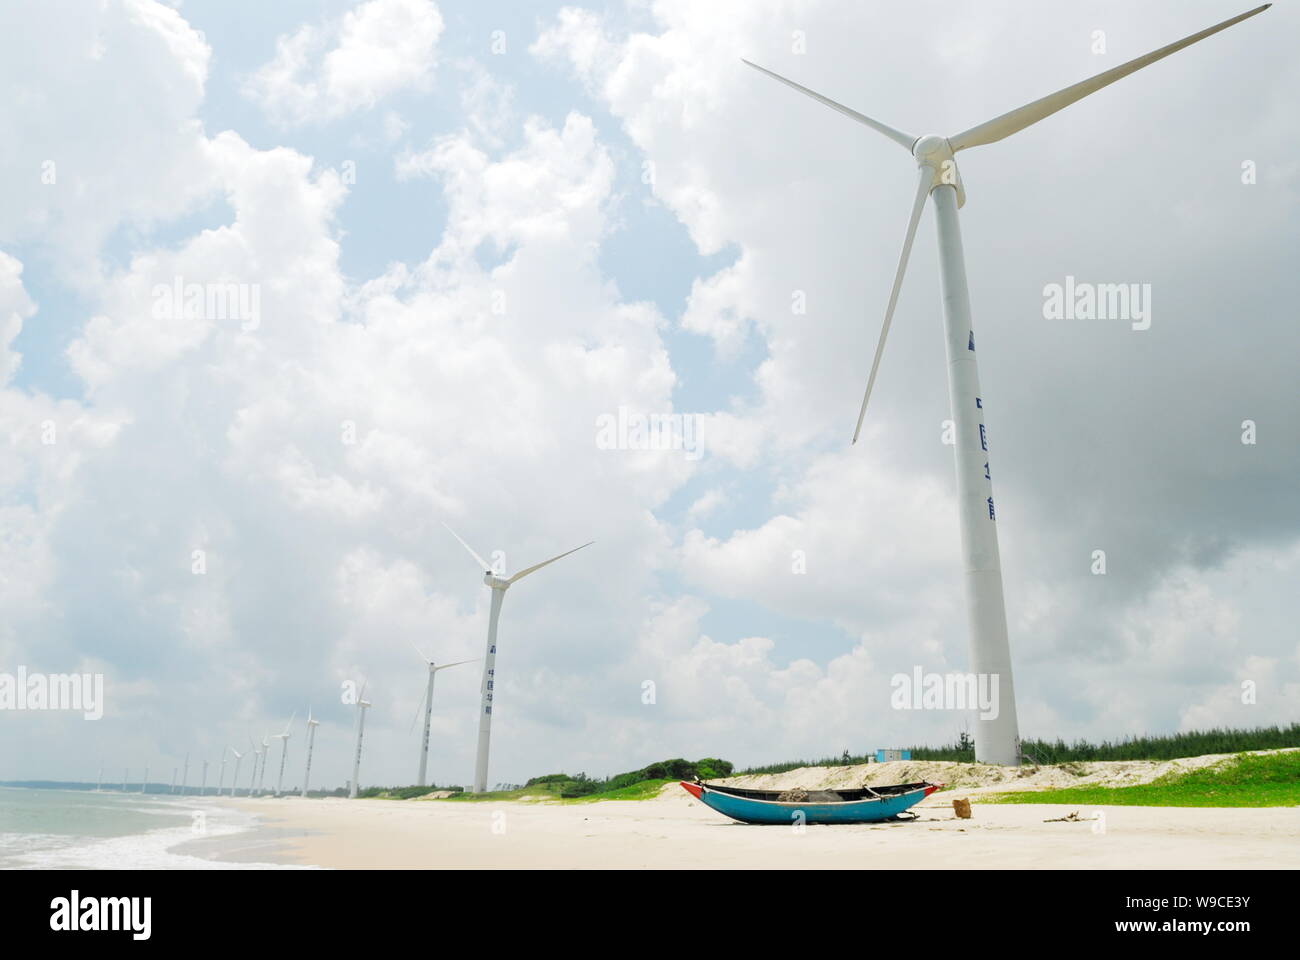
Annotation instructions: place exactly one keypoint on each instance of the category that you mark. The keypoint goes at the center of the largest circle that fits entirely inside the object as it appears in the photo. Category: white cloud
(375, 50)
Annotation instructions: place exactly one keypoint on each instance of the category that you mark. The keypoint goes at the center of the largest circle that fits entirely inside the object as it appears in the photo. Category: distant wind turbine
(125, 772)
(997, 738)
(144, 784)
(100, 783)
(257, 755)
(203, 785)
(427, 705)
(185, 774)
(362, 705)
(239, 758)
(284, 751)
(221, 781)
(499, 587)
(266, 756)
(312, 724)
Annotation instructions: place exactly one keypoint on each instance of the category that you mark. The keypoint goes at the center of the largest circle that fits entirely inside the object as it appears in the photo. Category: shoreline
(674, 831)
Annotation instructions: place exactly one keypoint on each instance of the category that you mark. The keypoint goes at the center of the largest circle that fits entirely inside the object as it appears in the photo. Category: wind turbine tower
(997, 738)
(427, 705)
(499, 586)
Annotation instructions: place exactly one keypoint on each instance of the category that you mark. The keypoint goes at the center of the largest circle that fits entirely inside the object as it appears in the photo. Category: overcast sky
(475, 229)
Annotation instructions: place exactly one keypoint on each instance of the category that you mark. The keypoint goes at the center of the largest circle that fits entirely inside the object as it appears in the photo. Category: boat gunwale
(803, 804)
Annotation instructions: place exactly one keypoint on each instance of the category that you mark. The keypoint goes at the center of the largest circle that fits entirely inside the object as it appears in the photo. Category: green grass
(645, 790)
(1249, 780)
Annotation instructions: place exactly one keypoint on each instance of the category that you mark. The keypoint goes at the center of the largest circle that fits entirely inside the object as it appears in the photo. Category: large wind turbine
(362, 704)
(284, 751)
(499, 587)
(427, 704)
(312, 724)
(996, 738)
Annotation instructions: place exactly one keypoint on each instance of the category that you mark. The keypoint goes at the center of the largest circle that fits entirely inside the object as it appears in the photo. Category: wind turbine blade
(289, 724)
(418, 709)
(537, 566)
(417, 650)
(923, 188)
(444, 666)
(905, 140)
(1015, 121)
(482, 564)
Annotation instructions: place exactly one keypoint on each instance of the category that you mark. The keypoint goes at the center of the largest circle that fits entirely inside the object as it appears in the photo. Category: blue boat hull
(751, 810)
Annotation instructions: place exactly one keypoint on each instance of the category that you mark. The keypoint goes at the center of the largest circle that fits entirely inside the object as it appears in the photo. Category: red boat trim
(933, 787)
(694, 789)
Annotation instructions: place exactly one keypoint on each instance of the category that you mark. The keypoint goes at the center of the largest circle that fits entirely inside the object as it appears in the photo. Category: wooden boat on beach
(863, 805)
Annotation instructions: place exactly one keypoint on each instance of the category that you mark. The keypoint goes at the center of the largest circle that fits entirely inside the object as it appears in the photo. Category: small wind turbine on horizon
(203, 784)
(265, 754)
(997, 737)
(99, 784)
(221, 780)
(362, 705)
(427, 704)
(252, 778)
(312, 724)
(144, 784)
(234, 780)
(185, 774)
(499, 586)
(284, 751)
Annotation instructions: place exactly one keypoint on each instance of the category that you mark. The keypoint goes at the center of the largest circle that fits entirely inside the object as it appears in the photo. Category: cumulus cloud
(324, 71)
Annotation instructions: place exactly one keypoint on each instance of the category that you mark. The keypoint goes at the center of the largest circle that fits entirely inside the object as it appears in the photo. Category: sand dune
(983, 778)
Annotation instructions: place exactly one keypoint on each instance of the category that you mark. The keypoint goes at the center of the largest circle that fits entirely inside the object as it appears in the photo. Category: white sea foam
(150, 850)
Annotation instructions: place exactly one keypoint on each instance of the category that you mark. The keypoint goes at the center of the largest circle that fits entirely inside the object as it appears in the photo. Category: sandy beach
(676, 832)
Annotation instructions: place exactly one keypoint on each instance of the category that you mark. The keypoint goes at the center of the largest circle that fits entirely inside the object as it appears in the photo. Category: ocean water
(82, 829)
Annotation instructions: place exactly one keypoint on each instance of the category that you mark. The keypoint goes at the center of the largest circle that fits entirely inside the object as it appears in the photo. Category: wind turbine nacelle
(495, 582)
(936, 154)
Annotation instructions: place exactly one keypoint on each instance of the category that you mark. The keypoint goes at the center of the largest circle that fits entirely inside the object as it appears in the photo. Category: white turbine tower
(499, 587)
(144, 784)
(257, 755)
(185, 774)
(284, 751)
(175, 770)
(312, 724)
(203, 784)
(362, 705)
(427, 705)
(99, 785)
(221, 781)
(125, 772)
(997, 738)
(265, 753)
(234, 780)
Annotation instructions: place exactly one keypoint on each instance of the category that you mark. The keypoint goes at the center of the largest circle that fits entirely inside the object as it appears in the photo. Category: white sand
(677, 832)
